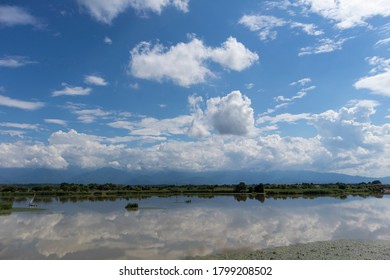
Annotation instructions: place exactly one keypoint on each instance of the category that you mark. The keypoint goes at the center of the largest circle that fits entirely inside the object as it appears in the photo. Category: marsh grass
(132, 206)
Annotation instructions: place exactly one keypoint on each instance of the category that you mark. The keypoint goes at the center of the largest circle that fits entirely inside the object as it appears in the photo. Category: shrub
(5, 205)
(132, 206)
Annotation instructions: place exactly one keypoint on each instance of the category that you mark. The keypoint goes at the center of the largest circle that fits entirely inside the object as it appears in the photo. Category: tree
(241, 187)
(259, 188)
(376, 182)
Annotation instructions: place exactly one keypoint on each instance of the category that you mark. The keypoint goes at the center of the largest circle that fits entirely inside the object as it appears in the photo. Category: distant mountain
(111, 175)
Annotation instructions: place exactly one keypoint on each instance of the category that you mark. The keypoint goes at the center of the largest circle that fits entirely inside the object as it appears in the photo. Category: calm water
(169, 228)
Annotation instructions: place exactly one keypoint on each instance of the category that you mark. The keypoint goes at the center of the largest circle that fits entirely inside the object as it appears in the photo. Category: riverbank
(241, 190)
(323, 250)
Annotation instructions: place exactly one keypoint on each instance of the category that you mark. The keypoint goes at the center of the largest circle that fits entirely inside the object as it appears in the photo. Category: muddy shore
(323, 250)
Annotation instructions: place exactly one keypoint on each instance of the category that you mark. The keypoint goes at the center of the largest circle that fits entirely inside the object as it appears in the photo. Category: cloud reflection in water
(187, 231)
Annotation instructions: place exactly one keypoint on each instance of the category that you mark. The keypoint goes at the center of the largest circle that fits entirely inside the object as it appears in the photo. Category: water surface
(169, 228)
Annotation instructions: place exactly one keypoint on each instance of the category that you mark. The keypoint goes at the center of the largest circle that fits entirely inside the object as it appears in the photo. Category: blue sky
(196, 85)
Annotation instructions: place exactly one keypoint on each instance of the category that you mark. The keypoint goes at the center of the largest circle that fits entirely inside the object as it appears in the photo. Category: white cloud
(90, 115)
(266, 26)
(263, 24)
(302, 82)
(325, 45)
(134, 86)
(185, 63)
(13, 133)
(348, 13)
(20, 104)
(249, 85)
(228, 115)
(347, 141)
(107, 40)
(233, 55)
(308, 28)
(15, 61)
(380, 64)
(56, 121)
(105, 11)
(73, 91)
(231, 114)
(383, 42)
(95, 80)
(21, 154)
(287, 117)
(286, 101)
(300, 94)
(347, 128)
(350, 143)
(13, 15)
(155, 127)
(20, 125)
(379, 82)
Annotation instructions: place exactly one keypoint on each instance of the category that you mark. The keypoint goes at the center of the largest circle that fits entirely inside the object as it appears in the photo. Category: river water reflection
(169, 228)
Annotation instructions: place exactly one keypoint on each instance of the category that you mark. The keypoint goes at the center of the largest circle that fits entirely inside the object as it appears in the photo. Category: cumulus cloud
(20, 104)
(347, 13)
(85, 151)
(106, 11)
(266, 26)
(14, 15)
(21, 154)
(231, 114)
(347, 137)
(185, 63)
(95, 80)
(346, 141)
(72, 91)
(228, 115)
(233, 55)
(379, 81)
(15, 61)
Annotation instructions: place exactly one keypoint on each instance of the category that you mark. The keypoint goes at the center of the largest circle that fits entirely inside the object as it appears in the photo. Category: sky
(196, 85)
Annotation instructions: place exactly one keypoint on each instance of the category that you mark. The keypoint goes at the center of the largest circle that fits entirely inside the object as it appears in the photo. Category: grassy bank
(5, 208)
(106, 191)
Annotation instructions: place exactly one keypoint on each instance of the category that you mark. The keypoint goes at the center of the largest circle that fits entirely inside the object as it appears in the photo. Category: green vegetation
(5, 206)
(132, 206)
(74, 192)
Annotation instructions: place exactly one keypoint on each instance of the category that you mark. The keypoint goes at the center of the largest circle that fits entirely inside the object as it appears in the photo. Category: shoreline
(320, 250)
